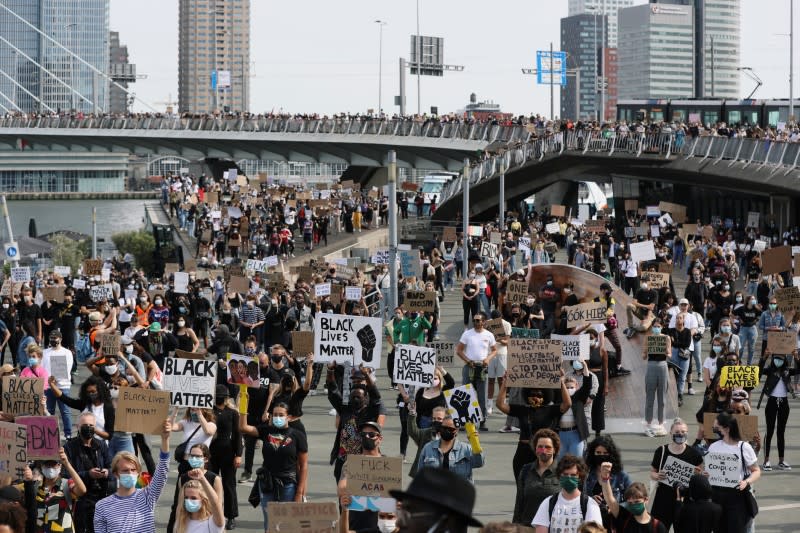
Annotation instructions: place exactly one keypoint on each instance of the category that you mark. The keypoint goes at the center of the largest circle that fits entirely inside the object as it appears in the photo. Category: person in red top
(274, 243)
(286, 235)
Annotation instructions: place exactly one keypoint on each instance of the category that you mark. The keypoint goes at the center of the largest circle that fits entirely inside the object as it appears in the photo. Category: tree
(140, 244)
(67, 252)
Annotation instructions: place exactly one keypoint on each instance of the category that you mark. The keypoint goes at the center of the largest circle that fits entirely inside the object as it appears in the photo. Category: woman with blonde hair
(201, 508)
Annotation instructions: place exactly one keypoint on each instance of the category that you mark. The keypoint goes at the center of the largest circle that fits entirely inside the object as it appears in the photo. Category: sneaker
(483, 428)
(766, 467)
(245, 477)
(659, 430)
(783, 465)
(691, 391)
(230, 524)
(622, 371)
(312, 392)
(332, 412)
(505, 429)
(489, 410)
(630, 333)
(648, 432)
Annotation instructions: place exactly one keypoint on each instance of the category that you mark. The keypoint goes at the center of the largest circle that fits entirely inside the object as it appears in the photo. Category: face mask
(276, 358)
(718, 433)
(717, 349)
(447, 434)
(93, 396)
(636, 508)
(182, 310)
(279, 421)
(436, 426)
(570, 390)
(530, 301)
(27, 299)
(53, 343)
(577, 366)
(738, 298)
(33, 362)
(192, 506)
(778, 363)
(773, 307)
(369, 444)
(51, 472)
(196, 462)
(726, 287)
(752, 302)
(128, 481)
(386, 525)
(568, 483)
(111, 369)
(181, 323)
(725, 329)
(357, 402)
(129, 349)
(249, 351)
(194, 417)
(678, 438)
(549, 283)
(86, 432)
(143, 300)
(251, 304)
(656, 330)
(158, 302)
(644, 286)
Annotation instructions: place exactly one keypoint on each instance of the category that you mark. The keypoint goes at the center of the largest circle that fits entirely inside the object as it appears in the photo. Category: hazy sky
(322, 55)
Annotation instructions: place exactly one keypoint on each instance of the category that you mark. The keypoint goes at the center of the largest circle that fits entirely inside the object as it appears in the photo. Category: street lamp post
(381, 24)
(419, 65)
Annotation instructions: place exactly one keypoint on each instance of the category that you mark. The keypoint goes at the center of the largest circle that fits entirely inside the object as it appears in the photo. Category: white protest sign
(271, 261)
(181, 280)
(724, 469)
(380, 257)
(753, 218)
(525, 244)
(677, 471)
(462, 405)
(343, 338)
(664, 219)
(655, 230)
(445, 351)
(759, 245)
(552, 228)
(414, 365)
(352, 294)
(573, 347)
(583, 212)
(101, 292)
(642, 251)
(105, 274)
(20, 274)
(63, 271)
(255, 265)
(58, 367)
(322, 289)
(79, 283)
(190, 382)
(653, 211)
(488, 250)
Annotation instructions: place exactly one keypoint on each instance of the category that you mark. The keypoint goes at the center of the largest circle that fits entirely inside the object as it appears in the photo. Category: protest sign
(42, 434)
(420, 301)
(352, 294)
(110, 343)
(752, 219)
(475, 231)
(445, 352)
(739, 376)
(677, 211)
(369, 475)
(181, 281)
(142, 410)
(642, 251)
(724, 469)
(781, 342)
(524, 244)
(488, 250)
(343, 338)
(495, 237)
(587, 312)
(380, 257)
(677, 471)
(59, 368)
(169, 268)
(239, 284)
(495, 327)
(524, 333)
(558, 210)
(322, 289)
(462, 405)
(23, 396)
(13, 449)
(595, 226)
(414, 365)
(99, 293)
(54, 293)
(20, 274)
(243, 370)
(776, 260)
(449, 234)
(630, 232)
(256, 266)
(631, 204)
(190, 382)
(189, 264)
(760, 245)
(92, 267)
(302, 343)
(534, 363)
(653, 211)
(297, 517)
(409, 263)
(63, 271)
(657, 344)
(516, 292)
(552, 228)
(573, 347)
(656, 280)
(655, 230)
(78, 284)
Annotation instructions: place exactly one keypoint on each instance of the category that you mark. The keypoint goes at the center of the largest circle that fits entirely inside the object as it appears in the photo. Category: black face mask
(369, 444)
(86, 432)
(93, 396)
(356, 402)
(447, 434)
(276, 358)
(436, 426)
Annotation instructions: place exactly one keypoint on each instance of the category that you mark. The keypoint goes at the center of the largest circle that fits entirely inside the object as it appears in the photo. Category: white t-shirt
(711, 364)
(502, 350)
(566, 514)
(750, 457)
(203, 526)
(689, 320)
(477, 344)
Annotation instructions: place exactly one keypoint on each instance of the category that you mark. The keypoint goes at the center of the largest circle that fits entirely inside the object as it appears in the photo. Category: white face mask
(181, 323)
(570, 390)
(110, 369)
(129, 349)
(51, 472)
(386, 525)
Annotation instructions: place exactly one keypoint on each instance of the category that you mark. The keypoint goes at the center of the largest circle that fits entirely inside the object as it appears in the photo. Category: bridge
(361, 141)
(762, 171)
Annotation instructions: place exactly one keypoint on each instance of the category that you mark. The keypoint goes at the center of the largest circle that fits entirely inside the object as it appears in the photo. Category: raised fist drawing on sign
(366, 336)
(460, 401)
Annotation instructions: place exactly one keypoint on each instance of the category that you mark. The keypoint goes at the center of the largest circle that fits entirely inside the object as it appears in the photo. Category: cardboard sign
(488, 250)
(587, 312)
(449, 234)
(595, 226)
(239, 284)
(724, 469)
(748, 425)
(414, 365)
(420, 301)
(677, 211)
(302, 342)
(13, 449)
(23, 396)
(190, 382)
(54, 293)
(296, 517)
(475, 231)
(63, 271)
(183, 354)
(534, 363)
(677, 471)
(141, 410)
(753, 219)
(243, 370)
(495, 237)
(781, 342)
(788, 298)
(462, 405)
(739, 376)
(409, 186)
(656, 280)
(495, 327)
(92, 267)
(369, 475)
(776, 260)
(631, 204)
(341, 338)
(20, 274)
(42, 433)
(352, 294)
(445, 352)
(110, 343)
(558, 210)
(642, 251)
(516, 292)
(657, 344)
(553, 228)
(573, 347)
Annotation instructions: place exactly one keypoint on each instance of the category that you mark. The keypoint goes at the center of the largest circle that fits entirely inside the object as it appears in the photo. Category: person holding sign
(54, 494)
(201, 509)
(777, 387)
(771, 320)
(634, 515)
(654, 350)
(735, 501)
(57, 361)
(449, 453)
(477, 347)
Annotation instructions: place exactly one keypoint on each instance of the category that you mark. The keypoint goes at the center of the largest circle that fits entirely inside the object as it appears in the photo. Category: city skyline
(328, 62)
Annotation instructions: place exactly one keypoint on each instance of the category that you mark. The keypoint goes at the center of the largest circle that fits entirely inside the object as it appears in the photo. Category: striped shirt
(135, 512)
(251, 316)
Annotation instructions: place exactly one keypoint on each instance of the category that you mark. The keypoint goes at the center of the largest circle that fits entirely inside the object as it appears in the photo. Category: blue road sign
(548, 69)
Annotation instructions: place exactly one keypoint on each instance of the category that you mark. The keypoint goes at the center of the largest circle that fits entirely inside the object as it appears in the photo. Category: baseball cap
(683, 301)
(370, 425)
(10, 494)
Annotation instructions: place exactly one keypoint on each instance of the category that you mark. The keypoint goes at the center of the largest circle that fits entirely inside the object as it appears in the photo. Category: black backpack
(554, 499)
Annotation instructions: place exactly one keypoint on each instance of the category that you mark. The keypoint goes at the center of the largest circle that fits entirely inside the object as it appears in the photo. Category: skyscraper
(79, 25)
(122, 71)
(213, 55)
(606, 7)
(582, 39)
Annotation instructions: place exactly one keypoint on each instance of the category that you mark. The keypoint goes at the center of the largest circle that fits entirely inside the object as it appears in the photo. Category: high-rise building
(582, 40)
(44, 75)
(213, 55)
(605, 7)
(656, 51)
(121, 71)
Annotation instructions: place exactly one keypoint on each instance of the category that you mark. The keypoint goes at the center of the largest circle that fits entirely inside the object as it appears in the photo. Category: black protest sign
(588, 312)
(534, 363)
(420, 301)
(414, 365)
(23, 396)
(190, 382)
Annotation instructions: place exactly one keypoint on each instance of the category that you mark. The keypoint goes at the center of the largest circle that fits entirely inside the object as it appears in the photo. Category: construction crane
(170, 104)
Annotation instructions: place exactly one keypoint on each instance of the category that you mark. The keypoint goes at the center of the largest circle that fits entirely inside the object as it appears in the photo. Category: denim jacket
(620, 481)
(461, 459)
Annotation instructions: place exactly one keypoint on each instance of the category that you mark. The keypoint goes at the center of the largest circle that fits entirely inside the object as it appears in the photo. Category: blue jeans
(66, 419)
(697, 357)
(449, 278)
(484, 300)
(120, 442)
(571, 443)
(683, 365)
(748, 336)
(289, 491)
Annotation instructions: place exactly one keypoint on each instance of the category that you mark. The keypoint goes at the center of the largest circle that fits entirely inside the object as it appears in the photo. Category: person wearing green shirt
(411, 328)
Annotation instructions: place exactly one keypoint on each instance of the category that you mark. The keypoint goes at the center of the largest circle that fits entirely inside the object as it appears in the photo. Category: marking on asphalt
(780, 507)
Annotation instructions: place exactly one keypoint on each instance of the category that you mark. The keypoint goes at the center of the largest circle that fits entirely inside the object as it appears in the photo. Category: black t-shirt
(748, 315)
(548, 296)
(646, 296)
(532, 419)
(280, 448)
(626, 523)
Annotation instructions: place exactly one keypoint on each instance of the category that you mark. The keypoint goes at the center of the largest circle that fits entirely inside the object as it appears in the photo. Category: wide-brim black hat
(442, 488)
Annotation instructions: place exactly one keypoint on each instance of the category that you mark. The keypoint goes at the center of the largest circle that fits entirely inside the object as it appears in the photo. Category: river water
(113, 216)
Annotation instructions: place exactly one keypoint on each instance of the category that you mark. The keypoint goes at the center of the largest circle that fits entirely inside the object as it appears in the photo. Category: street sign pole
(392, 231)
(8, 228)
